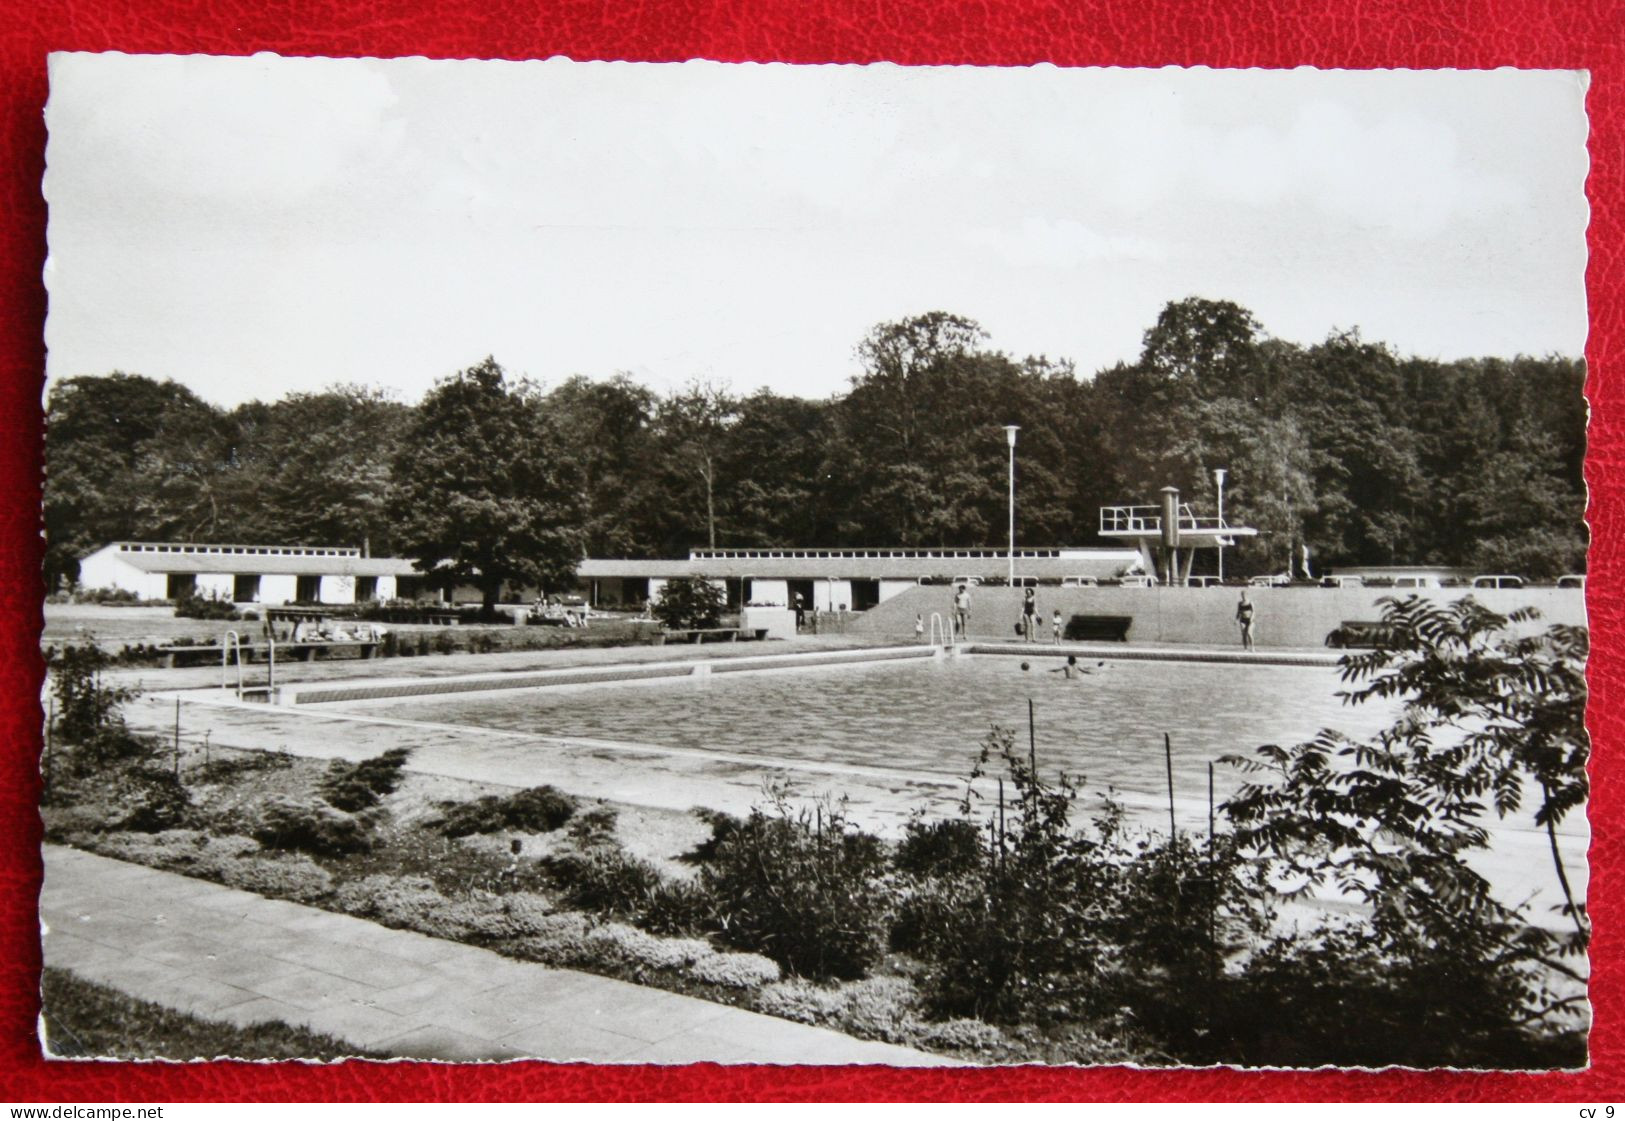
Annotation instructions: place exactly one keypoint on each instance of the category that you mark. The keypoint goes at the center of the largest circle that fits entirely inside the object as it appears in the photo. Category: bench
(1363, 633)
(177, 656)
(698, 634)
(1098, 628)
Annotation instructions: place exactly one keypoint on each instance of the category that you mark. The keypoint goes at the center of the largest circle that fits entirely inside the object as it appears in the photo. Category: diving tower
(1167, 529)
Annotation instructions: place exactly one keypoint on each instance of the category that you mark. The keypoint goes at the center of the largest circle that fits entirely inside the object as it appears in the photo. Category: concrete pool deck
(437, 666)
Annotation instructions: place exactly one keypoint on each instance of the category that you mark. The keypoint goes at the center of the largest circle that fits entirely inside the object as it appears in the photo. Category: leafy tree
(1209, 348)
(694, 425)
(776, 471)
(106, 462)
(481, 491)
(1393, 820)
(689, 603)
(320, 467)
(605, 429)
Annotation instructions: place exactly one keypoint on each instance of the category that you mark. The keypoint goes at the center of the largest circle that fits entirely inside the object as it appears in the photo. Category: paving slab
(158, 937)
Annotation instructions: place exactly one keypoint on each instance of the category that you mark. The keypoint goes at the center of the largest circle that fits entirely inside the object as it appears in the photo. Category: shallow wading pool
(930, 715)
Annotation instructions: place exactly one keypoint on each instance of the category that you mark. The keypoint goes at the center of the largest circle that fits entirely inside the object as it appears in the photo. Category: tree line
(1361, 454)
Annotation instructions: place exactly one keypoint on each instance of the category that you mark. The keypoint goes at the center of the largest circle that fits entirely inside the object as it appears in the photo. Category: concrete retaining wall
(1284, 617)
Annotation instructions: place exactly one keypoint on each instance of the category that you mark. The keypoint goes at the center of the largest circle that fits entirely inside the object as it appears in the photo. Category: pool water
(932, 716)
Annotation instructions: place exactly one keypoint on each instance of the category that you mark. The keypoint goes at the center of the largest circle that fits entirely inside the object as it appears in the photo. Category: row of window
(307, 589)
(237, 550)
(867, 554)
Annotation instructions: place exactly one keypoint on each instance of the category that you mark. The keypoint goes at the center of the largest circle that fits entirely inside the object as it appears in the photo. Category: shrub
(85, 707)
(1020, 935)
(444, 643)
(198, 607)
(723, 826)
(876, 1008)
(604, 879)
(594, 827)
(146, 800)
(946, 846)
(678, 907)
(232, 860)
(411, 902)
(959, 1035)
(291, 825)
(103, 596)
(617, 943)
(735, 971)
(559, 940)
(286, 877)
(541, 809)
(802, 887)
(415, 903)
(689, 603)
(357, 786)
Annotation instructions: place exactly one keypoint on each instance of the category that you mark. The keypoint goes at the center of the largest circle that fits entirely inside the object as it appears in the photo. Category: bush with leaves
(358, 786)
(939, 845)
(603, 879)
(802, 886)
(1030, 919)
(689, 603)
(87, 709)
(231, 860)
(541, 809)
(205, 607)
(1392, 821)
(299, 826)
(1021, 933)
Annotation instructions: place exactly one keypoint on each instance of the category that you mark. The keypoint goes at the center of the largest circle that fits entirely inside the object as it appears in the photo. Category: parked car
(1571, 581)
(1203, 582)
(1079, 582)
(973, 581)
(1343, 582)
(1138, 582)
(1497, 581)
(1416, 581)
(1278, 580)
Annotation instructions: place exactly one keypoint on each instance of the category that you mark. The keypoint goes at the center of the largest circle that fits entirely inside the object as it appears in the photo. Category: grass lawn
(91, 1021)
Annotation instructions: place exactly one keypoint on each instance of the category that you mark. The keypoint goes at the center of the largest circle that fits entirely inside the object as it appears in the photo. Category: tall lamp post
(1010, 431)
(1218, 477)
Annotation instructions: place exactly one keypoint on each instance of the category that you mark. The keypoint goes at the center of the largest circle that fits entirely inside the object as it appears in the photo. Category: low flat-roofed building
(831, 579)
(271, 574)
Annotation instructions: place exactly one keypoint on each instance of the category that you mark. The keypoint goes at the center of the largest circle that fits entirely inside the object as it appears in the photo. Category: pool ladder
(231, 645)
(231, 649)
(941, 627)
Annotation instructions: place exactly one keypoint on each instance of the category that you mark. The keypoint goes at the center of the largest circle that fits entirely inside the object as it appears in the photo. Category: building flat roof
(254, 560)
(1079, 562)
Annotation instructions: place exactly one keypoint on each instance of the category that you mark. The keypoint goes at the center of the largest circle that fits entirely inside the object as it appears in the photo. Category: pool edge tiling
(474, 683)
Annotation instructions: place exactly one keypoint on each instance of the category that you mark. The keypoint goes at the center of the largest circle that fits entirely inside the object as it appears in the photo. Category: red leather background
(1221, 33)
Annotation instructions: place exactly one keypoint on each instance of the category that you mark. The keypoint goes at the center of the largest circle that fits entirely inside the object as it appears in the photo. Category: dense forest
(1363, 455)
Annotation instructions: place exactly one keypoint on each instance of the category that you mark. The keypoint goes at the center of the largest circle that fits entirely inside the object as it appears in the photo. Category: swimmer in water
(1072, 669)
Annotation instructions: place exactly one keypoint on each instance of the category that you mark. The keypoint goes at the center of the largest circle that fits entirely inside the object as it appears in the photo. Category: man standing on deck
(962, 608)
(1244, 616)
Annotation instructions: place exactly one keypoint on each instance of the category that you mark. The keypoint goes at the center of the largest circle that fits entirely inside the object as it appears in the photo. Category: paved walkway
(232, 956)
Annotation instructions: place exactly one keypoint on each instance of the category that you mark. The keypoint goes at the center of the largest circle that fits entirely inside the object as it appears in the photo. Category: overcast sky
(251, 227)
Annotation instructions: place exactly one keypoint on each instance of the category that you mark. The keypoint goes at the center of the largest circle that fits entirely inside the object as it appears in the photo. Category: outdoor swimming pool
(931, 716)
